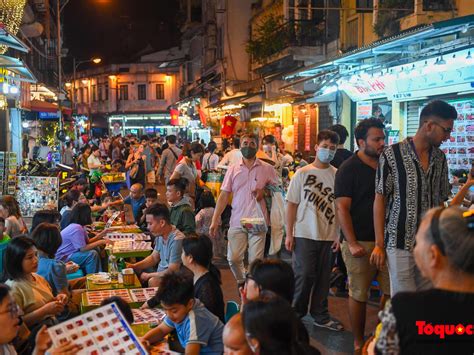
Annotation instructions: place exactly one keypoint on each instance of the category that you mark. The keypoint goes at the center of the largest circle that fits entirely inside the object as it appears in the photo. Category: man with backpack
(169, 159)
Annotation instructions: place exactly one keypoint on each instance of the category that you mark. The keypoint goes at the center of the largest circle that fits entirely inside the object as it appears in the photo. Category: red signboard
(295, 130)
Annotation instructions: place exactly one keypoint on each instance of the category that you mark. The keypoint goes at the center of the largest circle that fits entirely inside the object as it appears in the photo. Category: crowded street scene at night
(239, 177)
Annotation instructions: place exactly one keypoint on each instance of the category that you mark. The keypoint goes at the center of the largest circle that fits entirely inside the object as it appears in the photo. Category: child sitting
(151, 197)
(199, 331)
(181, 212)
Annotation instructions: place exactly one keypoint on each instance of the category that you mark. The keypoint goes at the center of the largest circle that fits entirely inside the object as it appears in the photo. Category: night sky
(117, 30)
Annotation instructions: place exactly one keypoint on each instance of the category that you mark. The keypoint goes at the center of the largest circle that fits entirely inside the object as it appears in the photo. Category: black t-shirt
(356, 180)
(208, 290)
(435, 307)
(342, 155)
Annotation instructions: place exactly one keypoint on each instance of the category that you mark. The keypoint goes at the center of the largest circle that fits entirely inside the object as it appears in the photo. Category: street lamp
(75, 65)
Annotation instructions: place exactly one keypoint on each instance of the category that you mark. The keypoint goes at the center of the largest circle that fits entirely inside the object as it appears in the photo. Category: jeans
(312, 266)
(404, 274)
(238, 241)
(88, 261)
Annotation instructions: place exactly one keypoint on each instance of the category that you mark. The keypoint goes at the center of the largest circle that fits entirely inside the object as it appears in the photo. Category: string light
(11, 15)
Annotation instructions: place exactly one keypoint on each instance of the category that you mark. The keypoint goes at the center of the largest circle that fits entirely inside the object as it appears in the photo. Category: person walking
(246, 181)
(312, 231)
(412, 177)
(355, 194)
(169, 159)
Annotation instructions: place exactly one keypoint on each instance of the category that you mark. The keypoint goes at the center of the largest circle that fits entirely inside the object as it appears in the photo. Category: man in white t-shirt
(312, 231)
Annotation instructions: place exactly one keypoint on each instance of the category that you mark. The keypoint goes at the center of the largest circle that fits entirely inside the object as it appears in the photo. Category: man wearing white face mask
(312, 231)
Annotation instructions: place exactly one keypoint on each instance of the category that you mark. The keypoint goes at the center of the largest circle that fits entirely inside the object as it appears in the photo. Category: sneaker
(331, 325)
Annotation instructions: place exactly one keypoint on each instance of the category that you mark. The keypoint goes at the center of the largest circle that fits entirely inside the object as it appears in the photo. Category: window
(365, 4)
(142, 92)
(160, 91)
(101, 97)
(352, 37)
(94, 93)
(123, 93)
(107, 92)
(85, 95)
(76, 95)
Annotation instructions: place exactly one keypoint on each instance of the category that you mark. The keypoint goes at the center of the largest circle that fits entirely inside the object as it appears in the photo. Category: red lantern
(228, 126)
(174, 117)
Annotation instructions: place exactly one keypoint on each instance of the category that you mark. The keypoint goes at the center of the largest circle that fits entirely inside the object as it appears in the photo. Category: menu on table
(94, 298)
(147, 316)
(127, 236)
(130, 245)
(100, 331)
(142, 294)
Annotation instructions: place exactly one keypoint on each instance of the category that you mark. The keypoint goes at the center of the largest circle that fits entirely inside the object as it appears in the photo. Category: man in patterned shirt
(412, 177)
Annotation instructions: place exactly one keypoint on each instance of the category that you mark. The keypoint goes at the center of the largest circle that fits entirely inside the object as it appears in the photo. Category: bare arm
(291, 210)
(378, 254)
(175, 175)
(343, 208)
(220, 207)
(93, 245)
(459, 198)
(131, 159)
(157, 334)
(149, 261)
(379, 219)
(192, 349)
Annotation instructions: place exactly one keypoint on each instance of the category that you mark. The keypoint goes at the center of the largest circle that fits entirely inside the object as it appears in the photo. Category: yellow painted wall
(269, 8)
(465, 7)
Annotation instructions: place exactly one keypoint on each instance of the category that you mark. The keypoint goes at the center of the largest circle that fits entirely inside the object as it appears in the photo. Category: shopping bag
(277, 221)
(253, 219)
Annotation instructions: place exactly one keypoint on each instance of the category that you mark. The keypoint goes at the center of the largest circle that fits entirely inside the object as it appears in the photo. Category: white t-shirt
(313, 190)
(210, 161)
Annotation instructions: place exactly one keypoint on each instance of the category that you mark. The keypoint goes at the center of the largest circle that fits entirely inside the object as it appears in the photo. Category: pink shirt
(241, 182)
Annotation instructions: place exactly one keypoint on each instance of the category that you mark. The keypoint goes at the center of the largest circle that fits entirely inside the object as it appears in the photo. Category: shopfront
(393, 78)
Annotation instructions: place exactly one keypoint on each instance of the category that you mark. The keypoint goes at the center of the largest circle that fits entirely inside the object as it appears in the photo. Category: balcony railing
(274, 36)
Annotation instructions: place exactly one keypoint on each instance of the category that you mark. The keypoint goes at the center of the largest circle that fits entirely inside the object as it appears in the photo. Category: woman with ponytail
(197, 257)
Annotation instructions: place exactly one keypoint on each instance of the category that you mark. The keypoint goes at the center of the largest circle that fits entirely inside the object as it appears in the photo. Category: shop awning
(243, 99)
(11, 41)
(44, 106)
(420, 43)
(17, 67)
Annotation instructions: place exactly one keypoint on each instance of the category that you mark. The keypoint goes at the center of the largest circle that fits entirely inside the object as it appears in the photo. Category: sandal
(331, 325)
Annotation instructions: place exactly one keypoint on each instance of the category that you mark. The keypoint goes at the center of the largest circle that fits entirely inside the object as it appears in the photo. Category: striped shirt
(410, 191)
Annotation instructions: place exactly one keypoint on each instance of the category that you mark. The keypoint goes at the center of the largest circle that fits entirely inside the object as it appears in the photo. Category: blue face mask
(326, 155)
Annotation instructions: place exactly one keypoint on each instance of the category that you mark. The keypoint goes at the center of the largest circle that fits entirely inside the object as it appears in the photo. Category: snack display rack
(36, 193)
(8, 170)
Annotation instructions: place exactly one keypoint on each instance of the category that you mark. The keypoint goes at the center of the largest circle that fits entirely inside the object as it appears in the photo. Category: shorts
(361, 273)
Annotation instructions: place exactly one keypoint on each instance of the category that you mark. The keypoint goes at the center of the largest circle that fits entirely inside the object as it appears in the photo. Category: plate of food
(101, 278)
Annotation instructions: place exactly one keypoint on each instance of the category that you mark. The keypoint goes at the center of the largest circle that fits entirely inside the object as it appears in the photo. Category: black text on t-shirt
(321, 197)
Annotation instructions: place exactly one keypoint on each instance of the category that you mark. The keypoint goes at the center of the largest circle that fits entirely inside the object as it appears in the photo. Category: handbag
(204, 174)
(134, 170)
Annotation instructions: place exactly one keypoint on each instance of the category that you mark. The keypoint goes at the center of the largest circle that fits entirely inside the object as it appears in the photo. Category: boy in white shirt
(312, 231)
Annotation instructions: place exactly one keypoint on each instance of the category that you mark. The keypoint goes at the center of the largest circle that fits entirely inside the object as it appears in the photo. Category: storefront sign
(434, 83)
(364, 110)
(365, 89)
(48, 115)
